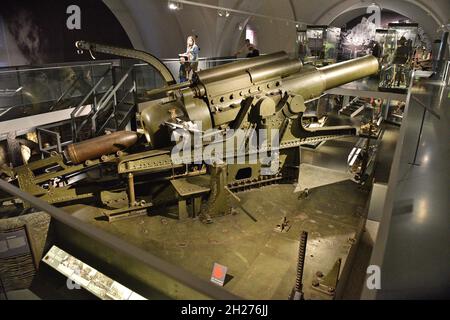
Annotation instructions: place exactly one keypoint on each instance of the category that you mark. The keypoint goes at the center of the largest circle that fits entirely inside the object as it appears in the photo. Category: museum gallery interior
(224, 149)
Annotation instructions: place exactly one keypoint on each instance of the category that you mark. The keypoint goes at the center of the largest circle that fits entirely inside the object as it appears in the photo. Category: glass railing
(203, 63)
(414, 209)
(29, 91)
(25, 92)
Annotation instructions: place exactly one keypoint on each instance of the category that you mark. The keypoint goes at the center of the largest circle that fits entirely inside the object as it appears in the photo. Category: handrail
(151, 261)
(75, 130)
(114, 90)
(42, 68)
(105, 100)
(117, 104)
(77, 108)
(82, 102)
(205, 60)
(65, 92)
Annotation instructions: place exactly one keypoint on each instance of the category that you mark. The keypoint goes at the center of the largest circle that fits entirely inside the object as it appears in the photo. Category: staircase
(353, 108)
(112, 112)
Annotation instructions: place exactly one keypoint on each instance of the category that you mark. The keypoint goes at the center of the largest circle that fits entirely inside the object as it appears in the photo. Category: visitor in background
(191, 56)
(249, 49)
(182, 73)
(375, 47)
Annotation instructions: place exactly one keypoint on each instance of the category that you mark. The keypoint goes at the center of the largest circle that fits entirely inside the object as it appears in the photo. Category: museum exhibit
(224, 150)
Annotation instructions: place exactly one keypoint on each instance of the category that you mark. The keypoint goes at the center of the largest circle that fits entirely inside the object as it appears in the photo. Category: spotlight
(222, 13)
(174, 5)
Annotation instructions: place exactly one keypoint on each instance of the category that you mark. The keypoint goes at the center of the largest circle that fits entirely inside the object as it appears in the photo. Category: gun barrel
(277, 69)
(348, 71)
(228, 70)
(312, 82)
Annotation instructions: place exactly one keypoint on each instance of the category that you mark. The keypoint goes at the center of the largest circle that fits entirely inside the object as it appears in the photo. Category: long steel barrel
(228, 70)
(347, 71)
(277, 69)
(312, 82)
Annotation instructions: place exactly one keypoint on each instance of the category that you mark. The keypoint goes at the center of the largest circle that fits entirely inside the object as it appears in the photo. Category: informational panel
(81, 275)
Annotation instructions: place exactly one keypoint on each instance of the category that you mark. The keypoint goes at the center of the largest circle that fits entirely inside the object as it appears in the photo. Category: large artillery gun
(232, 127)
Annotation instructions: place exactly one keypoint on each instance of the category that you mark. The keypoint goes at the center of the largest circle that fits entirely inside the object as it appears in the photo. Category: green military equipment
(227, 105)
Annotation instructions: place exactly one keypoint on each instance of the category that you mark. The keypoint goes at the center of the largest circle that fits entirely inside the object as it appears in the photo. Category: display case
(398, 52)
(380, 48)
(302, 45)
(395, 110)
(321, 44)
(331, 44)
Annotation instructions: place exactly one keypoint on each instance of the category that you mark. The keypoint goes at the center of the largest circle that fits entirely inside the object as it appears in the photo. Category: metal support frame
(414, 162)
(425, 109)
(48, 150)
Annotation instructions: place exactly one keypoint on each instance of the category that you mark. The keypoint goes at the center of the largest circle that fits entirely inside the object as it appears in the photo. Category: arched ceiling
(152, 27)
(430, 14)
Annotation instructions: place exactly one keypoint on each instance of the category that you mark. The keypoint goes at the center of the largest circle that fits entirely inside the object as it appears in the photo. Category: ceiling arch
(154, 28)
(426, 14)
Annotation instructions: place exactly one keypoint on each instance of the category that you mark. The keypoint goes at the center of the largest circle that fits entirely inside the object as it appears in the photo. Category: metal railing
(82, 104)
(103, 93)
(121, 247)
(36, 90)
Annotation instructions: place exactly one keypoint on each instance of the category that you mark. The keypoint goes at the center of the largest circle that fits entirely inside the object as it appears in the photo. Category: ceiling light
(222, 13)
(174, 5)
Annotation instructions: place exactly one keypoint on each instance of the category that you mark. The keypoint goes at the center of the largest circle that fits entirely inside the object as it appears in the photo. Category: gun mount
(273, 86)
(225, 104)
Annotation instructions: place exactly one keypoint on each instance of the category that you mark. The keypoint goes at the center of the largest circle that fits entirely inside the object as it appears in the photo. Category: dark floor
(253, 252)
(262, 263)
(333, 155)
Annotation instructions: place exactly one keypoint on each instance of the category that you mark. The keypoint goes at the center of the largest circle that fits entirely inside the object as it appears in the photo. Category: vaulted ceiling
(152, 27)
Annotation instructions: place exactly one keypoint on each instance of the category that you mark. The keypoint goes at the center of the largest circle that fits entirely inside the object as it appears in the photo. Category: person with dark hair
(376, 48)
(248, 48)
(253, 52)
(183, 72)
